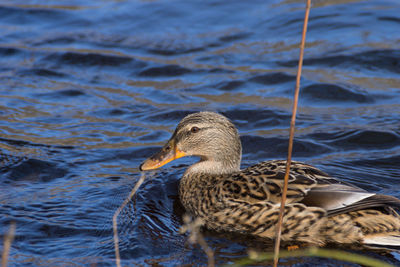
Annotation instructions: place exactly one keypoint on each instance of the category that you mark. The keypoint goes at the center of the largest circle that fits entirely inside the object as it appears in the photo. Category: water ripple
(89, 90)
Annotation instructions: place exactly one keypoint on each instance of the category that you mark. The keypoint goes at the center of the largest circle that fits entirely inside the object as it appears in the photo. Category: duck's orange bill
(161, 158)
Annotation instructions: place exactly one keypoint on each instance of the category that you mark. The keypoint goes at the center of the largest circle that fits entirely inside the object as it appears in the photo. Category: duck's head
(208, 135)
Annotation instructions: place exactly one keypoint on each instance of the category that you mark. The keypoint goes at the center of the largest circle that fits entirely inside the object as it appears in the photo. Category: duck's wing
(341, 198)
(307, 185)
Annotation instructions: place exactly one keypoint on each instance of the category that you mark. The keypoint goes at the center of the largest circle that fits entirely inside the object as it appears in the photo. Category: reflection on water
(88, 91)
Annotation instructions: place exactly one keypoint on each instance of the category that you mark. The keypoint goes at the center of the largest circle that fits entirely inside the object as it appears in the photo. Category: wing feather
(313, 187)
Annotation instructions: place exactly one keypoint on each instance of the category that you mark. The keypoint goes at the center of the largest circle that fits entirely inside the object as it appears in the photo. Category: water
(89, 89)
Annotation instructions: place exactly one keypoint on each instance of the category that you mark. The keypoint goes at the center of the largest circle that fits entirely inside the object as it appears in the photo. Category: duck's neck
(211, 167)
(224, 158)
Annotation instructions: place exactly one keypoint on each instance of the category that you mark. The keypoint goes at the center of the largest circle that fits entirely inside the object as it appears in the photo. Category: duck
(319, 209)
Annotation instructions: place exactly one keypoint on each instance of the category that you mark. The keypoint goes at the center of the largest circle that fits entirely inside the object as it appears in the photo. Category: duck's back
(319, 208)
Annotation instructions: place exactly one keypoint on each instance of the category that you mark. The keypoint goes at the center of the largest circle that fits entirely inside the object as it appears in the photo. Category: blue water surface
(89, 89)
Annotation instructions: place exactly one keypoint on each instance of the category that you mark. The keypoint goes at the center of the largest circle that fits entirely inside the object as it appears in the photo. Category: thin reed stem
(291, 136)
(192, 226)
(209, 252)
(8, 239)
(117, 212)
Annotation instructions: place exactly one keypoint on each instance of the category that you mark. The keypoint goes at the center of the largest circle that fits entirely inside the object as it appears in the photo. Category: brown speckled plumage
(320, 209)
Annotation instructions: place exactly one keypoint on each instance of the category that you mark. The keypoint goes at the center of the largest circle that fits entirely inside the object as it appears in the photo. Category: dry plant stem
(207, 250)
(8, 239)
(117, 212)
(192, 226)
(291, 136)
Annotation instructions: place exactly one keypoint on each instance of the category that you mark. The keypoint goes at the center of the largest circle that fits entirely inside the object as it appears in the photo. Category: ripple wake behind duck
(320, 209)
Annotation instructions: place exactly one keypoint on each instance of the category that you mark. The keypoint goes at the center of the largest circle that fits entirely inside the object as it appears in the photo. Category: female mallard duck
(319, 209)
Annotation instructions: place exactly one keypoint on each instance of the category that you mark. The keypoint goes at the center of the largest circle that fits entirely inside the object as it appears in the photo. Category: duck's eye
(195, 129)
